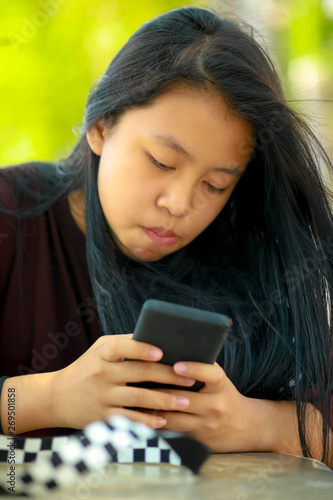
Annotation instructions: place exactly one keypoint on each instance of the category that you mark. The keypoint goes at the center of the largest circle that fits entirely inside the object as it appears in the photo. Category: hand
(94, 386)
(218, 415)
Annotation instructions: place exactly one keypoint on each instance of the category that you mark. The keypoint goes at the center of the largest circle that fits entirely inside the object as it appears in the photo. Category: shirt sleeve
(7, 234)
(2, 379)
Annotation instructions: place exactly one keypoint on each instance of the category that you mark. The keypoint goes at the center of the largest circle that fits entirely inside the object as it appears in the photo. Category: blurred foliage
(303, 35)
(298, 35)
(53, 50)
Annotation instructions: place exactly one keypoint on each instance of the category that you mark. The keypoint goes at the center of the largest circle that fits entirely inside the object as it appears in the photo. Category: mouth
(161, 236)
(162, 231)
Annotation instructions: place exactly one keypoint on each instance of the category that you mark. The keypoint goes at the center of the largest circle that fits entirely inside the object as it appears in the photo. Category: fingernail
(155, 352)
(182, 402)
(181, 367)
(161, 421)
(189, 380)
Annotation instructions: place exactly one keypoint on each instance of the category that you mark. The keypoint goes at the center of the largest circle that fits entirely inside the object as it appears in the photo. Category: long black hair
(266, 260)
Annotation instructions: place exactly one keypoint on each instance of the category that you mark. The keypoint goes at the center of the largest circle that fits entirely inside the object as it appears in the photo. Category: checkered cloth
(60, 461)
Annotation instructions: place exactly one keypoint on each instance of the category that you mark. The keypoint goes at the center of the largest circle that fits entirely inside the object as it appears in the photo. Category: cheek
(202, 218)
(123, 194)
(110, 191)
(206, 221)
(208, 211)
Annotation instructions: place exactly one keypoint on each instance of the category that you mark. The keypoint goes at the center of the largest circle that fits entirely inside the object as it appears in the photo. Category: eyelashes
(161, 166)
(158, 164)
(214, 189)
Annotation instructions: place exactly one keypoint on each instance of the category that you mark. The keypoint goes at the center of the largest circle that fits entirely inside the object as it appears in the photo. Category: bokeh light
(53, 50)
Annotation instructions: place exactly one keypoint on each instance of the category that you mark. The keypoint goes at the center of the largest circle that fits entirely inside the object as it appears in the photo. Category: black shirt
(47, 313)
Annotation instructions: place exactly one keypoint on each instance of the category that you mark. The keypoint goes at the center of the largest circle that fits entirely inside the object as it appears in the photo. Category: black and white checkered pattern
(60, 461)
(29, 449)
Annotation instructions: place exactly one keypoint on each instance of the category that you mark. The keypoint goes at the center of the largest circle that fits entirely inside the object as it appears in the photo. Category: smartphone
(183, 333)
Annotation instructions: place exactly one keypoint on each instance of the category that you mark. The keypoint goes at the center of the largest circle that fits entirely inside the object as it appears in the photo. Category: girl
(193, 182)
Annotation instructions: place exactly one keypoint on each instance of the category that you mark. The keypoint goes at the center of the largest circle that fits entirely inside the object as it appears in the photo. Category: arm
(33, 403)
(227, 421)
(279, 429)
(92, 388)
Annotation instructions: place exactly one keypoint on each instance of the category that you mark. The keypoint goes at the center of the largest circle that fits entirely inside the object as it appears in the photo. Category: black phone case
(183, 333)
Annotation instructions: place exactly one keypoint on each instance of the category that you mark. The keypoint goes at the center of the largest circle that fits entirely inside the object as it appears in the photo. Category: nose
(176, 199)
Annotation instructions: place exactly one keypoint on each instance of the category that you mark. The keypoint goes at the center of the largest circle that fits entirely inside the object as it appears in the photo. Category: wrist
(256, 424)
(31, 403)
(277, 427)
(46, 387)
(55, 391)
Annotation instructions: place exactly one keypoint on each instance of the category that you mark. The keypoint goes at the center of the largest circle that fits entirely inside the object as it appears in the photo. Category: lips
(161, 231)
(161, 236)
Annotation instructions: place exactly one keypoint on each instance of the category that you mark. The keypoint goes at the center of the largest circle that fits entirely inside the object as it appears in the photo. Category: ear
(96, 136)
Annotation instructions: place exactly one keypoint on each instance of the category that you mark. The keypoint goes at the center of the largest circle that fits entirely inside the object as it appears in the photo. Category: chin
(150, 257)
(145, 255)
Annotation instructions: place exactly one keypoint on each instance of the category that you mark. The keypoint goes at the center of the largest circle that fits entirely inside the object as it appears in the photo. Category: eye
(157, 163)
(214, 189)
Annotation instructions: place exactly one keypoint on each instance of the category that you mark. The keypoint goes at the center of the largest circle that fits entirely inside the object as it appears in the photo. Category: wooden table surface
(234, 476)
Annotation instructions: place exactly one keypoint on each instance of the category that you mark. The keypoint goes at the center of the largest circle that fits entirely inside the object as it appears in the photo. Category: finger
(139, 397)
(213, 376)
(154, 421)
(118, 347)
(199, 402)
(143, 371)
(181, 422)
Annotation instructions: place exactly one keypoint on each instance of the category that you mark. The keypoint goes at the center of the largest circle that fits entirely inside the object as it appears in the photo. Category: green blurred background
(52, 51)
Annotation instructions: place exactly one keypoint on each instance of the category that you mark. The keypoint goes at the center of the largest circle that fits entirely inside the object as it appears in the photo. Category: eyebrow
(171, 143)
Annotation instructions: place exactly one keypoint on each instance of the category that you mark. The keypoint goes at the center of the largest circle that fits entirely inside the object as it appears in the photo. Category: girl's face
(168, 169)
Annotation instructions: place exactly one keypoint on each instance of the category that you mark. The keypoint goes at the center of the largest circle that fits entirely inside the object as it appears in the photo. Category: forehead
(198, 125)
(200, 122)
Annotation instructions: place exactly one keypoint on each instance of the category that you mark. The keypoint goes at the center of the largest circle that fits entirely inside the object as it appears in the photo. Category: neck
(76, 205)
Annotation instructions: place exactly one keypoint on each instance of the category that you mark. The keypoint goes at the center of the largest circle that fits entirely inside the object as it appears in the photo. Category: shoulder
(23, 184)
(13, 172)
(28, 218)
(18, 183)
(11, 179)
